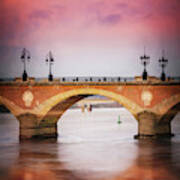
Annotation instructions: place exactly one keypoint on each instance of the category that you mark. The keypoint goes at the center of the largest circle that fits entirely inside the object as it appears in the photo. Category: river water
(90, 146)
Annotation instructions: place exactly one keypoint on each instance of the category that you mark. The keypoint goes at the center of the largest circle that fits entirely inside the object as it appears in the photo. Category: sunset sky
(89, 37)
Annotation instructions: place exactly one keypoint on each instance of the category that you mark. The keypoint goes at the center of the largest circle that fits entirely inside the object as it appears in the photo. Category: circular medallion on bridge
(27, 98)
(119, 88)
(146, 97)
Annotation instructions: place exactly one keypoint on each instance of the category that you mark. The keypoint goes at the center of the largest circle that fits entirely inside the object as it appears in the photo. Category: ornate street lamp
(50, 61)
(163, 63)
(145, 60)
(25, 56)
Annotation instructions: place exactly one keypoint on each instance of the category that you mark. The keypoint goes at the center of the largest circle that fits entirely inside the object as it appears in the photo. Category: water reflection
(156, 160)
(39, 160)
(90, 147)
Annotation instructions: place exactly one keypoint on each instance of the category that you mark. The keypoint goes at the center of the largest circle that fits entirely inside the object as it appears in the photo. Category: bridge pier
(38, 132)
(151, 126)
(30, 127)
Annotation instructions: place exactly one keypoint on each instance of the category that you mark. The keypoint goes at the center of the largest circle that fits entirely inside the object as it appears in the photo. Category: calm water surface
(90, 146)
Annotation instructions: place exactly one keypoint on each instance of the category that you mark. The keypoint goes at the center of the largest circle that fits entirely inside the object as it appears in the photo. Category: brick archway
(39, 105)
(170, 114)
(58, 104)
(13, 108)
(166, 105)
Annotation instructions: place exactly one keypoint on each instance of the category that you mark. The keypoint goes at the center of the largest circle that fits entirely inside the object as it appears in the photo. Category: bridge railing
(176, 79)
(79, 79)
(96, 79)
(85, 79)
(91, 79)
(6, 79)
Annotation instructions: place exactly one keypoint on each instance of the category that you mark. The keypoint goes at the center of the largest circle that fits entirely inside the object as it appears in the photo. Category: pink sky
(89, 37)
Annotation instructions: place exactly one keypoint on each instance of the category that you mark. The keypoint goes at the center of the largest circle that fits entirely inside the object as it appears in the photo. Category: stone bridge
(39, 105)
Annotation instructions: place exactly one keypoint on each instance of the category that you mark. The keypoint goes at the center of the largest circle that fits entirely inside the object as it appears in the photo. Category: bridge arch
(167, 106)
(57, 105)
(170, 114)
(14, 109)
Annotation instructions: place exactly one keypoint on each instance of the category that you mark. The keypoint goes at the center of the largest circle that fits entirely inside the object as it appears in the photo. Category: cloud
(95, 30)
(40, 14)
(25, 23)
(110, 19)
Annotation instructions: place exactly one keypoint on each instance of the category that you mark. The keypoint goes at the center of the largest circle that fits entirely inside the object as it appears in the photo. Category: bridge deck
(35, 83)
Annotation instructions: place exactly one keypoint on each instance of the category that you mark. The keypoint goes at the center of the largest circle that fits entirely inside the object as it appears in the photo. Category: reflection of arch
(63, 101)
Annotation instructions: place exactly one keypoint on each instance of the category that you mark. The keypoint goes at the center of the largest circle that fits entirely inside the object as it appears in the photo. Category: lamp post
(25, 56)
(163, 63)
(145, 60)
(50, 61)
